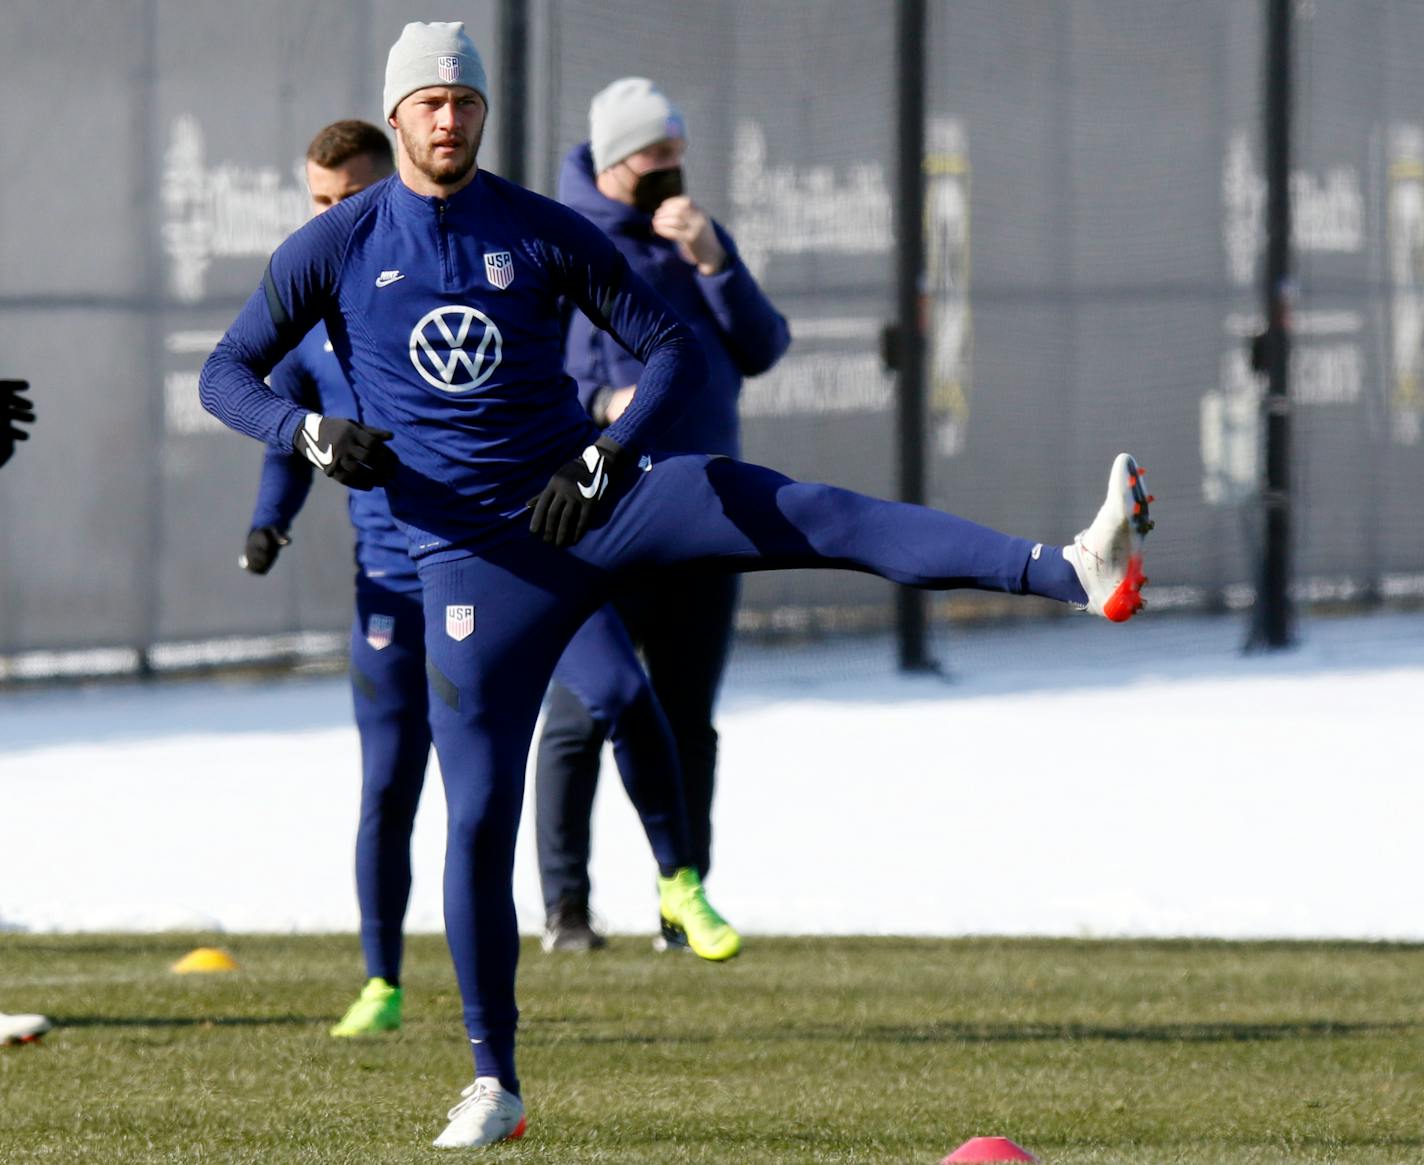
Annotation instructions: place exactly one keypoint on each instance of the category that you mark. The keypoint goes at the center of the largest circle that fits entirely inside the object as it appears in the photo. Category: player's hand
(15, 410)
(685, 223)
(347, 451)
(263, 545)
(564, 511)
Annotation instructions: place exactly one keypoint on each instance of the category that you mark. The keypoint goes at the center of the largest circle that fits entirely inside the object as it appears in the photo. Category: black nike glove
(15, 410)
(346, 451)
(263, 545)
(564, 511)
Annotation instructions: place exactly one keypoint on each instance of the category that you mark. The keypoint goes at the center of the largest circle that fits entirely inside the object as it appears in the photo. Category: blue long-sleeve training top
(444, 315)
(740, 331)
(310, 376)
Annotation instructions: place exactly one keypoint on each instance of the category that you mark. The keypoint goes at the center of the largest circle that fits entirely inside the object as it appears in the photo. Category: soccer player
(387, 636)
(388, 680)
(441, 290)
(17, 411)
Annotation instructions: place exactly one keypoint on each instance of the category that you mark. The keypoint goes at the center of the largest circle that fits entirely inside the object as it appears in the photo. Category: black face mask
(655, 187)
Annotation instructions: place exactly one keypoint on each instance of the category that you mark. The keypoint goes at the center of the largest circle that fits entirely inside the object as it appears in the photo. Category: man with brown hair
(345, 158)
(388, 686)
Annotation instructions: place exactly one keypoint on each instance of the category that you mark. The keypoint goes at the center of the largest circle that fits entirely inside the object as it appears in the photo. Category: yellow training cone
(204, 959)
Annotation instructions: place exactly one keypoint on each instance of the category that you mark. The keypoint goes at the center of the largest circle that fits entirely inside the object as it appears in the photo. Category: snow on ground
(1064, 778)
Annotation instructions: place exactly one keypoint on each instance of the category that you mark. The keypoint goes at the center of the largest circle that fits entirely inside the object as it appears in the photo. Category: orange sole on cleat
(1126, 601)
(519, 1130)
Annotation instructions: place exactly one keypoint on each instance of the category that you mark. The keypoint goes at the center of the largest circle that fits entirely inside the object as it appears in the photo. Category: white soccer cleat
(1107, 556)
(22, 1029)
(489, 1113)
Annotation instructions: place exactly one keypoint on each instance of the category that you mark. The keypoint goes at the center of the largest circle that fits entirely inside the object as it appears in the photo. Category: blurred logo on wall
(1328, 360)
(212, 211)
(219, 210)
(1405, 247)
(792, 219)
(946, 167)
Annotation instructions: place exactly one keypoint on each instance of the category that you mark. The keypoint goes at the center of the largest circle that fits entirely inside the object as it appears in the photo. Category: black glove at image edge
(15, 411)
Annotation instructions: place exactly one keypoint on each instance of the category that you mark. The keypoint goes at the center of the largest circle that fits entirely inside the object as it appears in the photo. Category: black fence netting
(1094, 219)
(1081, 291)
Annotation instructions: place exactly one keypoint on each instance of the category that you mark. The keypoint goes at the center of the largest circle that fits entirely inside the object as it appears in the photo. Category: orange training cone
(204, 959)
(984, 1149)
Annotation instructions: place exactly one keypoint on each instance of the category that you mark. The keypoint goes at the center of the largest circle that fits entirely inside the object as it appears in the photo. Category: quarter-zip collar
(443, 214)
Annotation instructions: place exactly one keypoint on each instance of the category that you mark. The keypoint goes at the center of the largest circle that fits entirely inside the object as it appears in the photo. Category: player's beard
(443, 171)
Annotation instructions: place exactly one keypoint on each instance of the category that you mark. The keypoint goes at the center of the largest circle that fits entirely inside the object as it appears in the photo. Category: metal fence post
(910, 35)
(513, 89)
(1271, 625)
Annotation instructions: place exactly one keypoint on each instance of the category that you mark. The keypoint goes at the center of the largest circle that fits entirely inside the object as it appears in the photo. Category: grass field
(802, 1050)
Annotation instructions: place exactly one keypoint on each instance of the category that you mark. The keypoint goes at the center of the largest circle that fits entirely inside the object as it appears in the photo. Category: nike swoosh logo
(386, 278)
(595, 487)
(323, 456)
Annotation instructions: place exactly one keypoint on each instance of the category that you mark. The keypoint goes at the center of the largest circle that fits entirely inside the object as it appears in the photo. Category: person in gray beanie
(627, 179)
(433, 71)
(630, 115)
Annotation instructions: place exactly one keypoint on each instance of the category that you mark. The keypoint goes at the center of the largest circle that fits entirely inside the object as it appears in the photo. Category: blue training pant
(489, 668)
(389, 692)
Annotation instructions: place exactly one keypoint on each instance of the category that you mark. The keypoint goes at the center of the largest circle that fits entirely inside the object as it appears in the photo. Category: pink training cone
(979, 1149)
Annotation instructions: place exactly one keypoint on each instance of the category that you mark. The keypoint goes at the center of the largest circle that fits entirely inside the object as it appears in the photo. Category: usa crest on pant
(380, 629)
(459, 622)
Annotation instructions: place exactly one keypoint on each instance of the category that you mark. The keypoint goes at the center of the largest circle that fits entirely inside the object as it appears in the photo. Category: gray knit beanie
(440, 53)
(630, 115)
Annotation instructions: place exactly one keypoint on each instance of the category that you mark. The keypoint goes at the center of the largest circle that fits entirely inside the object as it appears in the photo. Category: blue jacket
(445, 317)
(740, 332)
(310, 376)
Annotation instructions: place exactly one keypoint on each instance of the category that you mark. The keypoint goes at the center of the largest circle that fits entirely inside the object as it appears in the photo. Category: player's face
(330, 185)
(440, 130)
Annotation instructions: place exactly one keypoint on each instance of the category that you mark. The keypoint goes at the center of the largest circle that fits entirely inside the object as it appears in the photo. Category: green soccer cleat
(686, 912)
(377, 1009)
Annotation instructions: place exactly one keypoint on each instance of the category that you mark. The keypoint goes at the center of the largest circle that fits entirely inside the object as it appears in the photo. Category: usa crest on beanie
(438, 53)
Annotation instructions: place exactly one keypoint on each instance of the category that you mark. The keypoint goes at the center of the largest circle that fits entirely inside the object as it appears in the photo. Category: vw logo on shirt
(455, 348)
